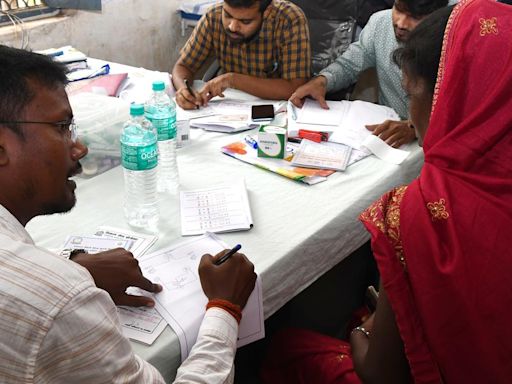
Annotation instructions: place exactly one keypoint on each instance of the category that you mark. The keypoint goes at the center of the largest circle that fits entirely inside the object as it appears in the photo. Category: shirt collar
(10, 226)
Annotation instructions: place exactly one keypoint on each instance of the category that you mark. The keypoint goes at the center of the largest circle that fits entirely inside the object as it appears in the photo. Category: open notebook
(222, 208)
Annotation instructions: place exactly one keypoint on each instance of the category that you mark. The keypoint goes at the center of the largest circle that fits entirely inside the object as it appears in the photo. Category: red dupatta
(450, 291)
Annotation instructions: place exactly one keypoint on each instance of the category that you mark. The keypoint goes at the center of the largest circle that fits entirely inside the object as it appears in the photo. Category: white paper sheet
(352, 130)
(92, 244)
(139, 243)
(312, 113)
(221, 208)
(182, 301)
(384, 151)
(139, 324)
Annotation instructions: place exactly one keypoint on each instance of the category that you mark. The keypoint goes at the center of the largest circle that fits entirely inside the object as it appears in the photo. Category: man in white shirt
(56, 325)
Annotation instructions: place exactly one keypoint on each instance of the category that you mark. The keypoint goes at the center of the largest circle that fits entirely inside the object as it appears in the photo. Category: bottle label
(166, 128)
(137, 158)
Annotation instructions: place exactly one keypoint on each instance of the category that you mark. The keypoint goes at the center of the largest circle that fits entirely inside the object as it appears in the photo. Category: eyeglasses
(66, 127)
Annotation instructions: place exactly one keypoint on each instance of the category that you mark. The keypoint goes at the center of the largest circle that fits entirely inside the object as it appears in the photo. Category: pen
(189, 87)
(291, 107)
(230, 253)
(191, 90)
(55, 54)
(253, 143)
(104, 70)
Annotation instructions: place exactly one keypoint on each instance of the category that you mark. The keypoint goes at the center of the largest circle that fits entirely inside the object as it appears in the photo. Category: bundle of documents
(182, 301)
(181, 304)
(323, 155)
(346, 122)
(222, 208)
(247, 153)
(139, 324)
(223, 115)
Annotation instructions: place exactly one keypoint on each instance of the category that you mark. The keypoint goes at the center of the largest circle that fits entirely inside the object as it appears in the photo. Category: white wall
(143, 33)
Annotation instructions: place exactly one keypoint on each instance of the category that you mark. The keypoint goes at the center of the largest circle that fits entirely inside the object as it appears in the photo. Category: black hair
(420, 8)
(17, 68)
(421, 53)
(248, 3)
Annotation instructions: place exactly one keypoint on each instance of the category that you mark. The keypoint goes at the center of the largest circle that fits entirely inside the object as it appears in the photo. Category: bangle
(362, 330)
(233, 309)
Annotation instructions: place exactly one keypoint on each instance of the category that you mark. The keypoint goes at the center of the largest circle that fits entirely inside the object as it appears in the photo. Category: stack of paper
(247, 153)
(182, 301)
(225, 115)
(322, 155)
(139, 324)
(222, 208)
(346, 122)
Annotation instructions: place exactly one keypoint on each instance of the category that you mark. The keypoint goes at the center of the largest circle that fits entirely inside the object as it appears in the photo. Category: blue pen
(227, 255)
(253, 143)
(55, 54)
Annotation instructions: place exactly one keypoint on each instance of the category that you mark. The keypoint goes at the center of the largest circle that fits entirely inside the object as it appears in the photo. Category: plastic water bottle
(161, 111)
(139, 158)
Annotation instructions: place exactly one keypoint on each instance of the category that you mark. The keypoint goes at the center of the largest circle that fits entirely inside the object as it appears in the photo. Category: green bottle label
(139, 158)
(166, 128)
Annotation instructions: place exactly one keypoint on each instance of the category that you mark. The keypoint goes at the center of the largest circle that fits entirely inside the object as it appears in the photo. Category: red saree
(445, 255)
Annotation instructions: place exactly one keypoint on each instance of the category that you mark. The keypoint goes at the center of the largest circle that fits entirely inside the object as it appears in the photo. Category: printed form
(139, 324)
(182, 301)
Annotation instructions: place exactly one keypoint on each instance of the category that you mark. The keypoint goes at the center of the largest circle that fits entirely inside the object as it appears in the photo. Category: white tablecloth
(299, 232)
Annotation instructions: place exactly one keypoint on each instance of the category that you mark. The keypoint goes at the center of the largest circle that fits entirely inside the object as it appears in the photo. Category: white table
(299, 233)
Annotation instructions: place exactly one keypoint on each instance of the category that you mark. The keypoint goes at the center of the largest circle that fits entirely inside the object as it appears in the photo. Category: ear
(5, 139)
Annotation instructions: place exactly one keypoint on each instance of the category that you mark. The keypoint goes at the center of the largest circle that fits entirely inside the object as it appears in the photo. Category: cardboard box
(272, 141)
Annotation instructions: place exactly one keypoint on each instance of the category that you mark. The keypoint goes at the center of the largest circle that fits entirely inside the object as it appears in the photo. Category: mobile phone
(263, 112)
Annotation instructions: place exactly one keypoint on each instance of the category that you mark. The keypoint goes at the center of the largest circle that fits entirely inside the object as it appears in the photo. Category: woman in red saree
(442, 244)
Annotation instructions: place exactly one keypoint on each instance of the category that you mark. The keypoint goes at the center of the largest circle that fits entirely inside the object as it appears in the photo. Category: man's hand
(394, 133)
(233, 280)
(115, 271)
(187, 100)
(315, 88)
(216, 87)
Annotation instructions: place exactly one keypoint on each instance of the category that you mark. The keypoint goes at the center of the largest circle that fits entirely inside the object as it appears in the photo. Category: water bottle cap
(136, 110)
(158, 85)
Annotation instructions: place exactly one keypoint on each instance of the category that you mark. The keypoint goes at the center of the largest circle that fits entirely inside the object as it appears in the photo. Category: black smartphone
(263, 112)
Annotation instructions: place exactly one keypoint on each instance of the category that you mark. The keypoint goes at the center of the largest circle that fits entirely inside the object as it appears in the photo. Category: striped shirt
(279, 50)
(374, 49)
(56, 326)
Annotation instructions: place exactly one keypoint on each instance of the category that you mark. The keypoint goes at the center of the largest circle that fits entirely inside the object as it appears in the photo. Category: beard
(238, 38)
(401, 35)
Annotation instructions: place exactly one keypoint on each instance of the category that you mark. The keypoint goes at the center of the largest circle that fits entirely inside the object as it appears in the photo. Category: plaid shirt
(279, 50)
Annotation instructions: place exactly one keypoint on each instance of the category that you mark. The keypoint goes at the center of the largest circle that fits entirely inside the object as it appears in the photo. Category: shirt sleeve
(85, 345)
(295, 50)
(211, 360)
(199, 46)
(359, 56)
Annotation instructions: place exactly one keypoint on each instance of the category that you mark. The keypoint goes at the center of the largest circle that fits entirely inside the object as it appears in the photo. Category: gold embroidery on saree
(488, 26)
(385, 215)
(438, 210)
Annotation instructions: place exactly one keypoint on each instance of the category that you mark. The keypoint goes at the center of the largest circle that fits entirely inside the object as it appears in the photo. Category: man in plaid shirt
(262, 47)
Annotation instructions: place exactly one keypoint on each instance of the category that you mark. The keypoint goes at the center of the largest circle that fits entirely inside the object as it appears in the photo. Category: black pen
(191, 90)
(227, 255)
(189, 87)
